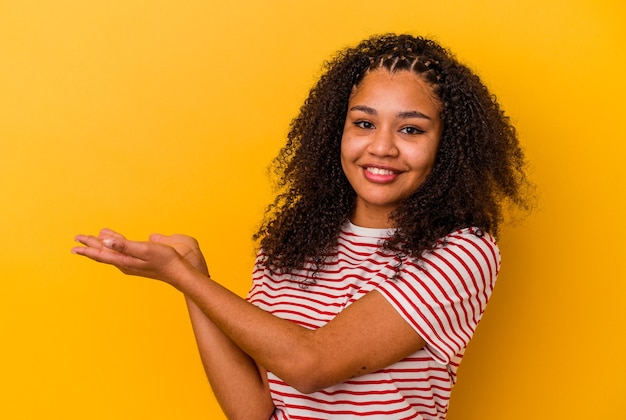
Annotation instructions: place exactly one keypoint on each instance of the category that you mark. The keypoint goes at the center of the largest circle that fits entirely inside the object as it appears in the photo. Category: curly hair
(479, 164)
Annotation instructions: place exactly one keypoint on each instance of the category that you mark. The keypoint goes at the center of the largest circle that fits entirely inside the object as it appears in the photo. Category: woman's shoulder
(469, 248)
(469, 235)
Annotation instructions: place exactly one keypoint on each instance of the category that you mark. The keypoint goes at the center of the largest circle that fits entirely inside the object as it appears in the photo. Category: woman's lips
(380, 174)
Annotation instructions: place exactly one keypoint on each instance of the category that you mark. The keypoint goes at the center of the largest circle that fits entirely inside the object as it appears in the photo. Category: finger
(93, 247)
(89, 241)
(174, 240)
(157, 237)
(106, 232)
(135, 249)
(100, 254)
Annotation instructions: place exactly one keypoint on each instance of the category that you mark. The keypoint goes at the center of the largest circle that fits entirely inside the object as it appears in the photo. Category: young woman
(377, 257)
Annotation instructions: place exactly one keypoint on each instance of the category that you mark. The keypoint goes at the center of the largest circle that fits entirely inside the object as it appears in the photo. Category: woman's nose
(383, 143)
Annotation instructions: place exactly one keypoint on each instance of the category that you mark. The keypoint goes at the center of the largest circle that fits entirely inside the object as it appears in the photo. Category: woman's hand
(238, 383)
(186, 246)
(161, 257)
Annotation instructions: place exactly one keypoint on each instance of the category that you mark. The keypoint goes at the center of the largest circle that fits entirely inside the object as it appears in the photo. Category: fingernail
(108, 242)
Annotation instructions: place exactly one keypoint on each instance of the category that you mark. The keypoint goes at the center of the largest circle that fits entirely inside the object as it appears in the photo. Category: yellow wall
(163, 115)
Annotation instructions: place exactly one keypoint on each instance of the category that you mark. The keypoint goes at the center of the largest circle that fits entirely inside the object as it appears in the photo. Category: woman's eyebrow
(413, 114)
(363, 108)
(403, 114)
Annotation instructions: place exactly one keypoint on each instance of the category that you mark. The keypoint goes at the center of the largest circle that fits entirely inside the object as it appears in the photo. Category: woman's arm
(366, 336)
(235, 379)
(239, 387)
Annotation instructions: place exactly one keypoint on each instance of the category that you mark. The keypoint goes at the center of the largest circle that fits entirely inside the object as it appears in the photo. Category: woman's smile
(379, 174)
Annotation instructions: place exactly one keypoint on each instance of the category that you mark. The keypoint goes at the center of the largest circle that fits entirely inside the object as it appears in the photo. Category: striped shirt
(442, 295)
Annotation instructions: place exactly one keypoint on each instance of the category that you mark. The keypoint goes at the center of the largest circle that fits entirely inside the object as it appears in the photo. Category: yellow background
(164, 115)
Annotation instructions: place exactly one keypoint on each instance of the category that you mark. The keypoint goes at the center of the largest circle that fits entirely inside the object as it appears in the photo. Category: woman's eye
(364, 124)
(412, 130)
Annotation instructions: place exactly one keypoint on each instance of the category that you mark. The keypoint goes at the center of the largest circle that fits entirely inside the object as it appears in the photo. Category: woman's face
(389, 142)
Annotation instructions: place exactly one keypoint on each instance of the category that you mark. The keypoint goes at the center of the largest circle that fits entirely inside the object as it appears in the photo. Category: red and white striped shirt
(442, 295)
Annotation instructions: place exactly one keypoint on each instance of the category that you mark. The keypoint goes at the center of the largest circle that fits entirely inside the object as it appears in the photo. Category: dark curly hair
(479, 164)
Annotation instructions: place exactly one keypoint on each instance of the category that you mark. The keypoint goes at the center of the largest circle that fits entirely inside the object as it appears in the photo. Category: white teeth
(379, 171)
